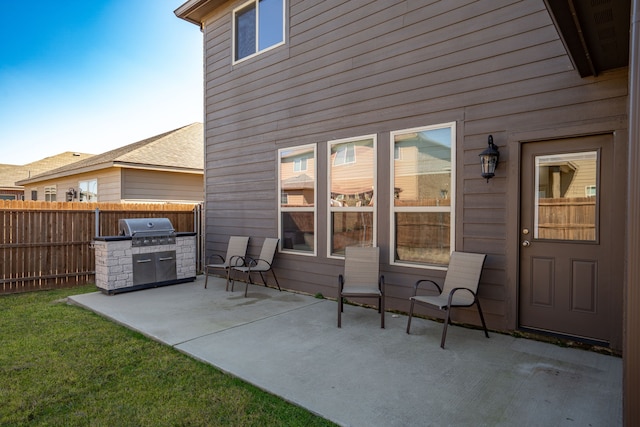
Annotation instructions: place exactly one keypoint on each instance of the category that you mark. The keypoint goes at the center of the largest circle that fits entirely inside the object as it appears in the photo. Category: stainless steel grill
(148, 231)
(151, 267)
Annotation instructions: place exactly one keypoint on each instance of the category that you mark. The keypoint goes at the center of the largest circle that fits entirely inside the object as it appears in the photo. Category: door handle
(526, 243)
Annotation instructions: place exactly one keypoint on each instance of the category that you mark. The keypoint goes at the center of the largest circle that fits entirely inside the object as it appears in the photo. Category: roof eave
(195, 11)
(49, 176)
(160, 168)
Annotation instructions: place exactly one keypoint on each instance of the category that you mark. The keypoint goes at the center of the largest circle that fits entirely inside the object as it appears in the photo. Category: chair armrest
(415, 287)
(454, 290)
(249, 262)
(215, 256)
(236, 261)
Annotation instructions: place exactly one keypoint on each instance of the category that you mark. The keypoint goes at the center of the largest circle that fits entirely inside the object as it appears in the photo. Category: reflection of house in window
(567, 175)
(422, 167)
(298, 190)
(297, 199)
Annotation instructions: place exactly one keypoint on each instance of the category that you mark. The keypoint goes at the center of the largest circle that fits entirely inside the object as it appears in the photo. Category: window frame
(80, 191)
(314, 208)
(331, 209)
(422, 209)
(257, 52)
(49, 191)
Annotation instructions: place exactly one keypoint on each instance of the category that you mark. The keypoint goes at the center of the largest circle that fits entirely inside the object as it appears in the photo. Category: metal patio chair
(236, 251)
(261, 265)
(361, 279)
(459, 290)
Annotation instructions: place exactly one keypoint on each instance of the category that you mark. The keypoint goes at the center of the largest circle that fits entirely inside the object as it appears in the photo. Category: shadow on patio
(362, 375)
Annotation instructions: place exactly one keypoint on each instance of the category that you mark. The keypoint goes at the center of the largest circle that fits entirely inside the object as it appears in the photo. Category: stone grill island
(147, 253)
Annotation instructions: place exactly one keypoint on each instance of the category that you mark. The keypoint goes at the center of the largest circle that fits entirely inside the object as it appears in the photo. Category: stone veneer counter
(114, 262)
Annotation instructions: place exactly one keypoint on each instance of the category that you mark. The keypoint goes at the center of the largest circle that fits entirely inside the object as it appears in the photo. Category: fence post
(197, 227)
(97, 222)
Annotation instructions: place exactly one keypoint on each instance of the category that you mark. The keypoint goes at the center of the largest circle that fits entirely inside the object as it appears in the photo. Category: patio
(362, 375)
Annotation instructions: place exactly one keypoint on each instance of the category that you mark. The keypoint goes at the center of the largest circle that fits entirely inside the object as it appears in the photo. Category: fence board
(45, 245)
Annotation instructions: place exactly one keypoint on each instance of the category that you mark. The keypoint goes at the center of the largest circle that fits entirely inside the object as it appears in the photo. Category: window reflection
(566, 197)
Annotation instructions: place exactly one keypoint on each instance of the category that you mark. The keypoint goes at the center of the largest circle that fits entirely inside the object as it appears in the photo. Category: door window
(566, 198)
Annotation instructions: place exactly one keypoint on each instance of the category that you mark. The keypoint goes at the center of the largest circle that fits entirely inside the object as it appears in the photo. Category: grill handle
(141, 261)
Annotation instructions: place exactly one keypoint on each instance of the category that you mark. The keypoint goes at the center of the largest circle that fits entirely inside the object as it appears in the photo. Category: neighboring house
(164, 168)
(423, 85)
(10, 174)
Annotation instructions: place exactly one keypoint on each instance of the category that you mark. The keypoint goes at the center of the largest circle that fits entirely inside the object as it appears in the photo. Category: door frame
(515, 140)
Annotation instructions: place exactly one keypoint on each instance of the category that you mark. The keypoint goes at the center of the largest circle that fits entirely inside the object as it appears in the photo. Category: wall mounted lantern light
(71, 195)
(489, 160)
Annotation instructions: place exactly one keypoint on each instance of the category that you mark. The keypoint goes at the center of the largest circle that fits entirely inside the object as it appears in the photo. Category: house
(164, 168)
(424, 87)
(10, 174)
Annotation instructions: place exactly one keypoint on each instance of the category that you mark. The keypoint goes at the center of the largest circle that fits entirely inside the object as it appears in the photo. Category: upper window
(352, 177)
(423, 195)
(297, 189)
(89, 190)
(50, 193)
(258, 26)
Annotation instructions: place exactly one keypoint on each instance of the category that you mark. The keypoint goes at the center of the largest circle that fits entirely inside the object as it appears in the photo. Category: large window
(50, 193)
(88, 190)
(297, 189)
(423, 195)
(258, 26)
(352, 177)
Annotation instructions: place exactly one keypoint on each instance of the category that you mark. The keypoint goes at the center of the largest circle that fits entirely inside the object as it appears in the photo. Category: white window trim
(299, 209)
(331, 209)
(50, 190)
(97, 194)
(257, 52)
(394, 209)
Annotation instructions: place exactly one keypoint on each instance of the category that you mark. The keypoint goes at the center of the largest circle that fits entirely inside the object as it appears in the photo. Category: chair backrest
(267, 253)
(237, 247)
(361, 266)
(464, 272)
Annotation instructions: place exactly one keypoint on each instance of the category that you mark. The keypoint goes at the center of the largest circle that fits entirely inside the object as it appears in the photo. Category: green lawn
(61, 365)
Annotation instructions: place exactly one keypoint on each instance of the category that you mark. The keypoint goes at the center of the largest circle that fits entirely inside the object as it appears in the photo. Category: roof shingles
(179, 149)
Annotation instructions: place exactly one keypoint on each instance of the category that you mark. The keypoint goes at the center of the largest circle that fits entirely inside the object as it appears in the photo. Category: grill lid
(145, 227)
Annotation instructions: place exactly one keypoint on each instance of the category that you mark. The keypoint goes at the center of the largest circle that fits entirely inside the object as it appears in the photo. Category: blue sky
(94, 75)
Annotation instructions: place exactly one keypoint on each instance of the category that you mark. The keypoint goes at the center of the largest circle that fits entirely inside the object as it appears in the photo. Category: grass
(61, 365)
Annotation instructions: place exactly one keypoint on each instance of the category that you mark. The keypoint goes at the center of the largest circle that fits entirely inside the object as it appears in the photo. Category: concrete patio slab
(362, 375)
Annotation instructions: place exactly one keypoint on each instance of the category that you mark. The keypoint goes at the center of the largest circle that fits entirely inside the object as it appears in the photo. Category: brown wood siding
(353, 68)
(141, 185)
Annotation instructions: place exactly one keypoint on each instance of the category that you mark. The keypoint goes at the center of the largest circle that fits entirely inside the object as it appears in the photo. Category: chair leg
(444, 329)
(246, 284)
(484, 325)
(339, 311)
(381, 305)
(226, 288)
(206, 277)
(264, 282)
(276, 279)
(410, 315)
(231, 279)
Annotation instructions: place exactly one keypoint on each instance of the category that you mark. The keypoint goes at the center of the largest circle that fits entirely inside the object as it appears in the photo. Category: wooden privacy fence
(48, 245)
